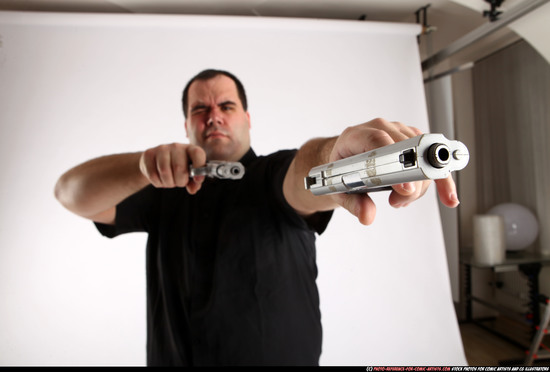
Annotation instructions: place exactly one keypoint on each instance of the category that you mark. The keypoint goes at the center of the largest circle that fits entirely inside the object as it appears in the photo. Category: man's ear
(248, 117)
(186, 131)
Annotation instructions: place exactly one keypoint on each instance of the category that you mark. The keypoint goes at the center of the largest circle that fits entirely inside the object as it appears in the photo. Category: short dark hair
(210, 74)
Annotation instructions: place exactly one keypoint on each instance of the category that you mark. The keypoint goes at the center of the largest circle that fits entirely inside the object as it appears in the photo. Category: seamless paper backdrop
(75, 86)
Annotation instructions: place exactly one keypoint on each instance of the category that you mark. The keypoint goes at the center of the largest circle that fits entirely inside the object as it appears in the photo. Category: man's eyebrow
(201, 105)
(228, 102)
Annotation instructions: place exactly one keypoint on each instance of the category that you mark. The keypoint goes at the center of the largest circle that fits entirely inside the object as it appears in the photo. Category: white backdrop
(75, 86)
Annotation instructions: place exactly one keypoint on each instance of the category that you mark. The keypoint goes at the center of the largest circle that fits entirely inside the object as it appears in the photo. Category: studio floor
(483, 348)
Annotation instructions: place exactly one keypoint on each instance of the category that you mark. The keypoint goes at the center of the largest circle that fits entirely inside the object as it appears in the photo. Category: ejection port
(408, 158)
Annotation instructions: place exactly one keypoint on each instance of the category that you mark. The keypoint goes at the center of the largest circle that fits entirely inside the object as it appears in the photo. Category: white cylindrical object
(489, 239)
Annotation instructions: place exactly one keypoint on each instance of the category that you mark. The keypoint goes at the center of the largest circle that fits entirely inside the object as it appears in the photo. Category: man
(230, 263)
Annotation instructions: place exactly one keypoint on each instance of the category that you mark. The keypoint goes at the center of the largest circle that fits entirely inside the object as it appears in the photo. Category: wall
(511, 92)
(501, 112)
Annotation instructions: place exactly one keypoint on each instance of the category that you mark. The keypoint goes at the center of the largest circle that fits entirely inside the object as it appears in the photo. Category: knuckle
(165, 172)
(155, 181)
(379, 122)
(179, 168)
(349, 131)
(416, 131)
(149, 154)
(380, 136)
(177, 146)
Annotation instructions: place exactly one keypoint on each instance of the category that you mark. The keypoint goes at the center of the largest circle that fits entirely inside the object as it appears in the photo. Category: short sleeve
(134, 214)
(277, 165)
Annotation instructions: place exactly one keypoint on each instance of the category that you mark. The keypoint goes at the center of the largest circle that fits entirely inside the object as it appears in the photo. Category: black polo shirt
(230, 271)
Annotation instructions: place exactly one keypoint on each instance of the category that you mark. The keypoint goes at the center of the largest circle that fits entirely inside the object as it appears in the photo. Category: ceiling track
(481, 32)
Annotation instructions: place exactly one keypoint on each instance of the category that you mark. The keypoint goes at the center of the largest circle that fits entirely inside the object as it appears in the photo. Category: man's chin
(219, 154)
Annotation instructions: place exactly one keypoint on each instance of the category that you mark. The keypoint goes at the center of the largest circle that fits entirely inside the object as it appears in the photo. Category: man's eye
(199, 111)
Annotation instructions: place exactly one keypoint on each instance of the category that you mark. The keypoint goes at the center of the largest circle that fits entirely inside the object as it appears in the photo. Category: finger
(407, 131)
(357, 140)
(180, 165)
(360, 205)
(197, 156)
(405, 193)
(148, 167)
(369, 136)
(415, 131)
(405, 189)
(164, 166)
(446, 190)
(397, 130)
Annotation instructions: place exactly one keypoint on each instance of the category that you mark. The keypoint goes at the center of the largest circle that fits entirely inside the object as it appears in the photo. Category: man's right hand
(94, 188)
(167, 166)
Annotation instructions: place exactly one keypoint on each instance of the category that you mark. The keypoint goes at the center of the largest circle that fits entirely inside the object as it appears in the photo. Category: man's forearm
(314, 152)
(100, 184)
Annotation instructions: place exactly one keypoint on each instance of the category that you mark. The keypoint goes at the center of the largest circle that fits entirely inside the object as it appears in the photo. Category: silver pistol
(428, 156)
(219, 169)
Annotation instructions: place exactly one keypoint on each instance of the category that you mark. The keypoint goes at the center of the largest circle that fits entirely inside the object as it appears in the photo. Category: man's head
(207, 75)
(216, 117)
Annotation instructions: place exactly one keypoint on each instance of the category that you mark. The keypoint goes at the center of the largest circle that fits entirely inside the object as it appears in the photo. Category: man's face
(216, 120)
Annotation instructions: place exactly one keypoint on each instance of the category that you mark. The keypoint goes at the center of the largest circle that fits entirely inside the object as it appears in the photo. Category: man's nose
(214, 117)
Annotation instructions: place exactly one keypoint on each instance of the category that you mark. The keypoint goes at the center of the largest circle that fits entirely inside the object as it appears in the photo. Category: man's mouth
(215, 134)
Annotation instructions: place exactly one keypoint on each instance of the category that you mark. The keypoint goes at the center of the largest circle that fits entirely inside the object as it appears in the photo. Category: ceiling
(449, 19)
(392, 10)
(376, 10)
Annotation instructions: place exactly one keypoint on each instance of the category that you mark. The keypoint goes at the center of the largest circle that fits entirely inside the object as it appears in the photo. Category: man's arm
(356, 140)
(314, 152)
(93, 189)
